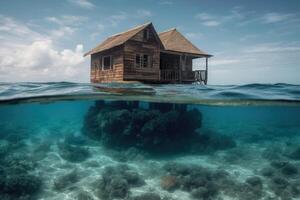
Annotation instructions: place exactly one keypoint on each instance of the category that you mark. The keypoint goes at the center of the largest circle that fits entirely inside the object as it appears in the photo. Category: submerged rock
(267, 172)
(289, 169)
(203, 183)
(116, 182)
(75, 140)
(20, 185)
(147, 196)
(73, 153)
(16, 180)
(169, 183)
(115, 187)
(255, 182)
(66, 181)
(162, 128)
(141, 128)
(83, 195)
(295, 154)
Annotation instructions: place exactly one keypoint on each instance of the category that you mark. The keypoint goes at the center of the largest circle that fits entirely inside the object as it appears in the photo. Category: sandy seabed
(265, 170)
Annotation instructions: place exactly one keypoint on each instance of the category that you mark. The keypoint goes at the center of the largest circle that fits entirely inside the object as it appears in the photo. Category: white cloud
(98, 30)
(194, 35)
(115, 19)
(166, 2)
(276, 17)
(209, 20)
(204, 16)
(37, 58)
(224, 61)
(10, 28)
(273, 48)
(144, 13)
(61, 32)
(83, 3)
(67, 20)
(211, 23)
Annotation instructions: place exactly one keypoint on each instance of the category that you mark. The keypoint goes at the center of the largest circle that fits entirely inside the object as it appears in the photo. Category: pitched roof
(175, 41)
(170, 40)
(117, 39)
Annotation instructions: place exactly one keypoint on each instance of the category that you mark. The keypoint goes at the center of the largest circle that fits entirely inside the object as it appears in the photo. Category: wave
(197, 94)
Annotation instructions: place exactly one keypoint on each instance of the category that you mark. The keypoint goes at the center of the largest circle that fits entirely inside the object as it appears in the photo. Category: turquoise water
(81, 141)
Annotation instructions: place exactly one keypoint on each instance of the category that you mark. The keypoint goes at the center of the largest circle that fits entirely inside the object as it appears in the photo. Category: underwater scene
(149, 142)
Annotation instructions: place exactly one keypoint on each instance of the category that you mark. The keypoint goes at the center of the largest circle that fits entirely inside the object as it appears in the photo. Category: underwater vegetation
(16, 179)
(161, 128)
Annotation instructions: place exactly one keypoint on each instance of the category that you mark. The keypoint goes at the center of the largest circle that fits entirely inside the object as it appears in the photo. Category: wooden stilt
(206, 72)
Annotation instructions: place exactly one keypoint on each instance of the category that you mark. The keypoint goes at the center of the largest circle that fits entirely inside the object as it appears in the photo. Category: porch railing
(169, 75)
(201, 76)
(175, 75)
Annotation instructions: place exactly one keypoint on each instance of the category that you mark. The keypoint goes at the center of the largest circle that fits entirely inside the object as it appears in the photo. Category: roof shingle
(171, 40)
(117, 39)
(175, 41)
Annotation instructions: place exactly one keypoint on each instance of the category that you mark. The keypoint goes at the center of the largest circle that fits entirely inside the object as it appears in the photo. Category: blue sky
(252, 41)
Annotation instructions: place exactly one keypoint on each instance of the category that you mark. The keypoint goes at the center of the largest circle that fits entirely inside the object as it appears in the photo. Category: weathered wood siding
(98, 75)
(138, 45)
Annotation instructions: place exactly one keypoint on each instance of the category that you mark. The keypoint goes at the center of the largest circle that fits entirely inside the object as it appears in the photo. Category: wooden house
(141, 54)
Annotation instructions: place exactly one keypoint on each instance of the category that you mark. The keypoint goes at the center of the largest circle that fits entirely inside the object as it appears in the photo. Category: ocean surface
(149, 142)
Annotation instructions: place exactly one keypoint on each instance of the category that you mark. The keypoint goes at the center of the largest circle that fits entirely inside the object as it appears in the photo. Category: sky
(252, 41)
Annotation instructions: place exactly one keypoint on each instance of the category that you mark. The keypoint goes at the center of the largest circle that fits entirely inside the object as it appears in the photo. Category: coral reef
(295, 154)
(83, 195)
(201, 182)
(169, 182)
(116, 182)
(282, 178)
(204, 183)
(66, 181)
(16, 181)
(159, 129)
(147, 196)
(73, 153)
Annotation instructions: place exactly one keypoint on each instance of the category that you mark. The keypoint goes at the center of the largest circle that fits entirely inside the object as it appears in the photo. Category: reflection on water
(143, 150)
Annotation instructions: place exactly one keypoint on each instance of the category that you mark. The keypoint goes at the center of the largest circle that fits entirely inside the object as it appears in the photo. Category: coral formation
(147, 196)
(16, 182)
(83, 195)
(73, 153)
(116, 182)
(201, 182)
(159, 129)
(66, 180)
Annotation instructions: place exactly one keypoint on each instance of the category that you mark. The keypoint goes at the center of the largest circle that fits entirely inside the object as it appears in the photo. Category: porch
(180, 76)
(178, 68)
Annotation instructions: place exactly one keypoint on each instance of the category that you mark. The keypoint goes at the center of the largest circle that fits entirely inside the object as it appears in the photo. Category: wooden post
(206, 72)
(180, 67)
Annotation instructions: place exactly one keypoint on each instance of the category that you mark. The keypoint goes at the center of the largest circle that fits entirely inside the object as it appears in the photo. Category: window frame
(148, 61)
(141, 59)
(103, 67)
(138, 55)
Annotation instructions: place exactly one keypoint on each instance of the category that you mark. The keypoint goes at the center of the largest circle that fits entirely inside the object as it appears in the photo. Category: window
(138, 60)
(142, 60)
(146, 34)
(107, 63)
(146, 61)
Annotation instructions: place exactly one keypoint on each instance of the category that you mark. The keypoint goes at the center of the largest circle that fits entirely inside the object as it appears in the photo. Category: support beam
(206, 67)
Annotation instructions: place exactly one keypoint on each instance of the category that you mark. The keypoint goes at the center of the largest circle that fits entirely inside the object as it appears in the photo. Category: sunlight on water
(102, 149)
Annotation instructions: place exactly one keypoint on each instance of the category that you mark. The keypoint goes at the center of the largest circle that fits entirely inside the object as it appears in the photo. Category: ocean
(149, 142)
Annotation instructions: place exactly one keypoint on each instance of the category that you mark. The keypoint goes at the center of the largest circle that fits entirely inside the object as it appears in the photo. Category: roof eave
(190, 53)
